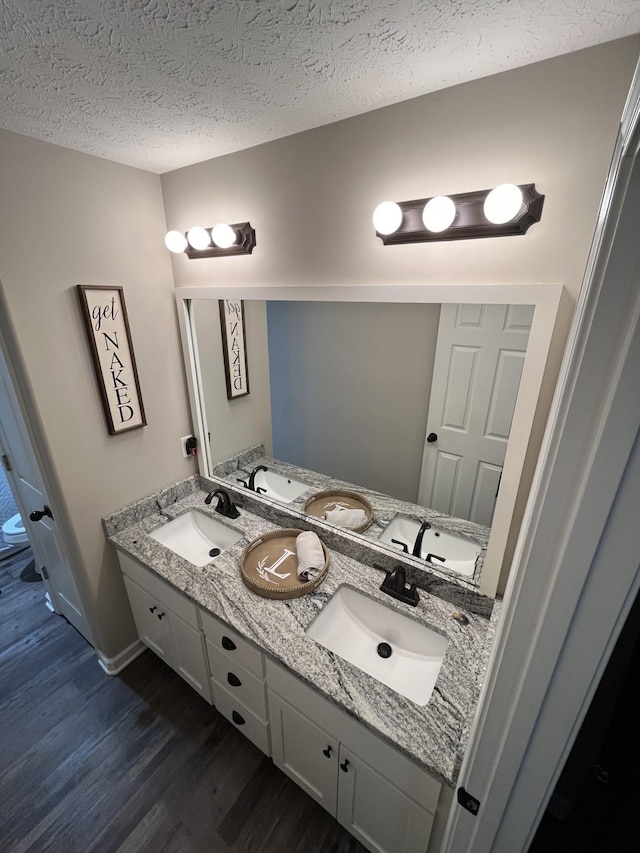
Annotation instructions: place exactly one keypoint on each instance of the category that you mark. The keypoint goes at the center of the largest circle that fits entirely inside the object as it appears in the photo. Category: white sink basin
(279, 487)
(459, 553)
(353, 626)
(194, 535)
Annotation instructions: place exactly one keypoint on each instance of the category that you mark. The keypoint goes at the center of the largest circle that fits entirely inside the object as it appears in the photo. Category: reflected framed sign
(234, 347)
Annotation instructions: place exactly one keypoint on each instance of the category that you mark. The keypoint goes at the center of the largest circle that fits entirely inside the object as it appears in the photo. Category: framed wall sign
(107, 326)
(234, 347)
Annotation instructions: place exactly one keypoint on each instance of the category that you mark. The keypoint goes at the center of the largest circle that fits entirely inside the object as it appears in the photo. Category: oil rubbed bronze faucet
(417, 545)
(395, 585)
(252, 477)
(225, 505)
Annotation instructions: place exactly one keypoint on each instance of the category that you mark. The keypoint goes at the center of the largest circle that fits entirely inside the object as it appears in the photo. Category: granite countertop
(434, 736)
(385, 508)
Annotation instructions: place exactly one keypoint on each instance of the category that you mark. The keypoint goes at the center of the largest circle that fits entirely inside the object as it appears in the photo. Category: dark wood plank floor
(135, 762)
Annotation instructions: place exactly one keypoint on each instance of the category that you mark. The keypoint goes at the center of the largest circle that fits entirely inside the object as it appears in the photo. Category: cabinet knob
(327, 751)
(237, 718)
(233, 680)
(345, 766)
(151, 609)
(228, 644)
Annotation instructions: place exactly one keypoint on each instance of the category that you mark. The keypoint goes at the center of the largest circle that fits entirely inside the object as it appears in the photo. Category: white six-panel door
(478, 365)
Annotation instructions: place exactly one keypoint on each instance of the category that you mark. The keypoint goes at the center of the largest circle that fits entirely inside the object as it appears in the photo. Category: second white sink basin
(393, 648)
(194, 535)
(279, 487)
(458, 554)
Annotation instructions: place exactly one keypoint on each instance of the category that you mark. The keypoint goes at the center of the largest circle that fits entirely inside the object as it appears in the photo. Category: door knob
(432, 437)
(39, 514)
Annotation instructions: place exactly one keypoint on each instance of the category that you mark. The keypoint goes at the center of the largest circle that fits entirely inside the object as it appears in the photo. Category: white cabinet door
(189, 656)
(151, 621)
(178, 644)
(305, 752)
(382, 818)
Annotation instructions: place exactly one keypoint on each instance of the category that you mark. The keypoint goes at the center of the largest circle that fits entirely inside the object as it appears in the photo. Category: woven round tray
(331, 499)
(269, 566)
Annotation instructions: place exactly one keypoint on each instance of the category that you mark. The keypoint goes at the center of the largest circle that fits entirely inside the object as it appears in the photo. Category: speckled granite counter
(385, 508)
(434, 736)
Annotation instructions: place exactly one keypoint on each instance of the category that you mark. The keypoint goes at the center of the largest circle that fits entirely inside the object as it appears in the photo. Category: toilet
(13, 532)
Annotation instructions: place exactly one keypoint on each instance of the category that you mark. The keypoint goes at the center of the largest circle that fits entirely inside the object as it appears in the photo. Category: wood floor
(136, 762)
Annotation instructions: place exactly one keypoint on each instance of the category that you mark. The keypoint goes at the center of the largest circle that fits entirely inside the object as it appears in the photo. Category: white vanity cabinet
(168, 623)
(379, 795)
(237, 681)
(382, 798)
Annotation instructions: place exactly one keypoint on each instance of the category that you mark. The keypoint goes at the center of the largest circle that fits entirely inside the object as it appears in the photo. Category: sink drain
(384, 650)
(214, 552)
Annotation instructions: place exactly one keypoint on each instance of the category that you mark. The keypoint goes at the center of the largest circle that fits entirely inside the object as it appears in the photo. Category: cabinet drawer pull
(345, 766)
(160, 615)
(152, 609)
(233, 680)
(237, 718)
(327, 751)
(228, 644)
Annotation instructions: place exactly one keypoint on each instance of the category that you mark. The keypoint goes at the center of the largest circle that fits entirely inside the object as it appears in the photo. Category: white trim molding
(114, 665)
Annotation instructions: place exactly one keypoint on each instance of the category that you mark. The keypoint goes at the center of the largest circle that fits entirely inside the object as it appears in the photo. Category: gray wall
(350, 386)
(68, 219)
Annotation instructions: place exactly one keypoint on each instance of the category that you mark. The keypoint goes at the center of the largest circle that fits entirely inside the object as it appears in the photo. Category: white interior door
(29, 491)
(479, 359)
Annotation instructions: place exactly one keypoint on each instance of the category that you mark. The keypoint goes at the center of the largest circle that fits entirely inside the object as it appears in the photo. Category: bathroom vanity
(384, 765)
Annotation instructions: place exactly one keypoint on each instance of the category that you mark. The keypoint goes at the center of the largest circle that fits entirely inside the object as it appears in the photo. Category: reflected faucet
(252, 478)
(417, 545)
(225, 505)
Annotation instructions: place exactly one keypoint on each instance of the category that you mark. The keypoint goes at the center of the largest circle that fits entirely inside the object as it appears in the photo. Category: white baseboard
(114, 665)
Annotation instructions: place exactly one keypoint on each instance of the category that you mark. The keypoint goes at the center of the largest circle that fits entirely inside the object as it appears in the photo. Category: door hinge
(6, 463)
(468, 802)
(44, 572)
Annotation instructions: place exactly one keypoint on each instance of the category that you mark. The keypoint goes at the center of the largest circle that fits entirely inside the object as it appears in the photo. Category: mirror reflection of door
(479, 359)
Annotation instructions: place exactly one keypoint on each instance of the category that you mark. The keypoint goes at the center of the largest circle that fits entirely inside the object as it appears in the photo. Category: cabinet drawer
(160, 590)
(220, 636)
(242, 718)
(237, 681)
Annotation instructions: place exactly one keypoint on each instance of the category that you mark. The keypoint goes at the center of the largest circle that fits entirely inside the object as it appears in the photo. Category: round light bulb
(387, 217)
(223, 235)
(438, 213)
(198, 237)
(175, 241)
(503, 203)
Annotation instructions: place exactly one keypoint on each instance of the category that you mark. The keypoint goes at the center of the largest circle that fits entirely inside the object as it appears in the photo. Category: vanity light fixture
(214, 242)
(507, 209)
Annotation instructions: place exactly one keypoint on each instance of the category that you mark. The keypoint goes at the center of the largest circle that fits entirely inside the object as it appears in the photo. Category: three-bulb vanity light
(220, 240)
(507, 209)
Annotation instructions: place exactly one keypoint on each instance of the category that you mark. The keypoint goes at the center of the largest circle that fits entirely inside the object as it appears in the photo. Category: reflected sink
(194, 534)
(459, 554)
(279, 487)
(357, 628)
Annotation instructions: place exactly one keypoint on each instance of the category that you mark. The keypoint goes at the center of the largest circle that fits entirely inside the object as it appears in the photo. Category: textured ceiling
(161, 84)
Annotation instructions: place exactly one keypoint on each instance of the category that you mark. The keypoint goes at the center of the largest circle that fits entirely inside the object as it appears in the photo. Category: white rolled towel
(346, 517)
(310, 555)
